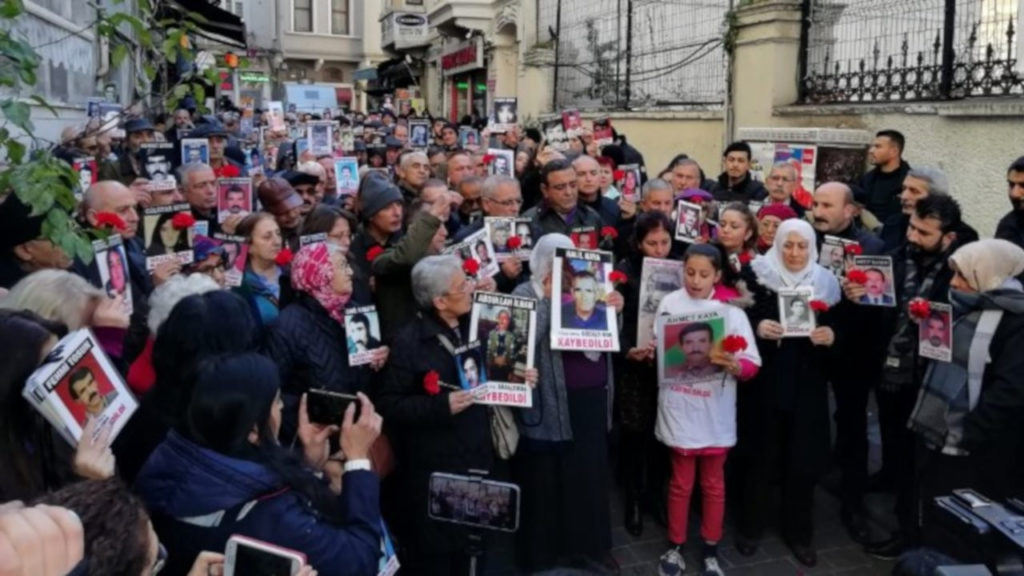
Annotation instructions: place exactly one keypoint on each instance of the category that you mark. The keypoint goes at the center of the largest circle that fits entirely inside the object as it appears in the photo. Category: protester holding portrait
(783, 415)
(433, 423)
(642, 461)
(562, 460)
(307, 342)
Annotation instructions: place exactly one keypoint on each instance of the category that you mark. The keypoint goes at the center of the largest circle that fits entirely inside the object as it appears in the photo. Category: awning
(213, 23)
(392, 74)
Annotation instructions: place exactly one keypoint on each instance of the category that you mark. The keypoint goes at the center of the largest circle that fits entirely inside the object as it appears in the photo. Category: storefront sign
(365, 74)
(467, 56)
(254, 77)
(404, 30)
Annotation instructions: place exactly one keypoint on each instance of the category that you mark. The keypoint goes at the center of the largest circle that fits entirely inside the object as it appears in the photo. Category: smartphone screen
(325, 407)
(474, 502)
(255, 562)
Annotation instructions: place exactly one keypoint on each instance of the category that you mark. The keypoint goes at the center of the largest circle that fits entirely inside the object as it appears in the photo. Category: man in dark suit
(876, 289)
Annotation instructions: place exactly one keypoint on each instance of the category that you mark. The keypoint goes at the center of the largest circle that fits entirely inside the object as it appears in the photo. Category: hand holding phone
(250, 557)
(359, 434)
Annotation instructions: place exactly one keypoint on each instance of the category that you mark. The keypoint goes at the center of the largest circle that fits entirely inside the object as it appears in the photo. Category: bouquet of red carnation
(110, 220)
(920, 308)
(284, 257)
(734, 343)
(373, 252)
(857, 276)
(183, 221)
(819, 306)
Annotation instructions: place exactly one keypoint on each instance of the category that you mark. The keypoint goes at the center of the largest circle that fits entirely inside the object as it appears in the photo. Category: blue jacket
(183, 480)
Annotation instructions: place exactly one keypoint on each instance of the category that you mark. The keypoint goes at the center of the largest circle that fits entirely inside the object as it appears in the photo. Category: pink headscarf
(313, 273)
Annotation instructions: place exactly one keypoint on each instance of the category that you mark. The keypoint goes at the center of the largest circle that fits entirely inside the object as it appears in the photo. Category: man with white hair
(782, 183)
(500, 197)
(919, 183)
(412, 173)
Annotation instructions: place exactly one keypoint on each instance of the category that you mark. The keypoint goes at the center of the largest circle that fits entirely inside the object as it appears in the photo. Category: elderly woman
(769, 217)
(783, 415)
(562, 460)
(63, 297)
(434, 428)
(141, 375)
(308, 341)
(339, 225)
(970, 411)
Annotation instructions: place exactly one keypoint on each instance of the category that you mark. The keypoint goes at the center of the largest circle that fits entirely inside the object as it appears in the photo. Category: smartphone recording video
(473, 501)
(326, 407)
(248, 557)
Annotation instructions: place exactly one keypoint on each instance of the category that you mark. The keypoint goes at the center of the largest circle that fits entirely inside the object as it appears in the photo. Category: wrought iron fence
(634, 54)
(893, 50)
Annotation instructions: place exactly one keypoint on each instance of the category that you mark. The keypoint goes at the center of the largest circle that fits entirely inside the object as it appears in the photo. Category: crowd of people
(223, 441)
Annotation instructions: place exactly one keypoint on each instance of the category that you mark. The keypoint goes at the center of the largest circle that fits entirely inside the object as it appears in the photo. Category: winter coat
(883, 190)
(544, 220)
(425, 435)
(310, 350)
(392, 271)
(262, 302)
(186, 488)
(746, 190)
(1011, 228)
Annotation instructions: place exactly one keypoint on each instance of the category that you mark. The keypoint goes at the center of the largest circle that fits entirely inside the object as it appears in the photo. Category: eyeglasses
(161, 560)
(467, 286)
(514, 202)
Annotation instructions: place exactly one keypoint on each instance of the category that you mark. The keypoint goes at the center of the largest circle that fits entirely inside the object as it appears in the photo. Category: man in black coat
(859, 356)
(560, 210)
(588, 188)
(918, 183)
(884, 183)
(1011, 226)
(920, 270)
(736, 184)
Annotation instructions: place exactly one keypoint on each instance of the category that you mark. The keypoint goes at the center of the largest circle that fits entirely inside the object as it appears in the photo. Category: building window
(238, 8)
(339, 17)
(302, 19)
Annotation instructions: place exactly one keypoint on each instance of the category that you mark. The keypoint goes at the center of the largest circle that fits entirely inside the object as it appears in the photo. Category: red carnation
(284, 257)
(471, 266)
(920, 308)
(432, 383)
(373, 252)
(182, 221)
(618, 277)
(619, 175)
(695, 200)
(857, 276)
(109, 220)
(514, 242)
(734, 343)
(609, 232)
(227, 171)
(853, 250)
(819, 306)
(745, 257)
(488, 158)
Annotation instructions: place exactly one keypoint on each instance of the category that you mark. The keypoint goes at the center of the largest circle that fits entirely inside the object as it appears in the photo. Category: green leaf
(149, 70)
(118, 54)
(17, 113)
(42, 102)
(11, 8)
(180, 91)
(15, 151)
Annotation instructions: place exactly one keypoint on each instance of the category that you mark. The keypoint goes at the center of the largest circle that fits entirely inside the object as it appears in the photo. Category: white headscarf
(772, 272)
(988, 264)
(543, 257)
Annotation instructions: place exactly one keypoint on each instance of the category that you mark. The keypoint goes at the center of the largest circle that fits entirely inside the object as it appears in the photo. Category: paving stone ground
(838, 555)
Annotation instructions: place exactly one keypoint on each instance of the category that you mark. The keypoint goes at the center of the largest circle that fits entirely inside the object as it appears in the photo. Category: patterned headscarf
(313, 273)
